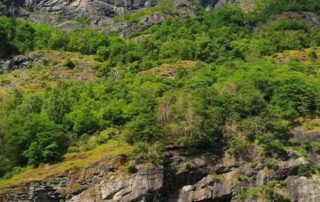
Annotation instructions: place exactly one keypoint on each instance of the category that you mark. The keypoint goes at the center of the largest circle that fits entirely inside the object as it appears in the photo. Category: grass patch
(79, 160)
(40, 76)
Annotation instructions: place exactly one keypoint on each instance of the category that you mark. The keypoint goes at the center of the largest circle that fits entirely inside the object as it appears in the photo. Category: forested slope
(225, 82)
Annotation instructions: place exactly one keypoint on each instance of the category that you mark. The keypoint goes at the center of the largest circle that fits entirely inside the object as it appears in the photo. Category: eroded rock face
(215, 3)
(127, 28)
(182, 178)
(303, 189)
(16, 62)
(71, 14)
(77, 8)
(141, 186)
(207, 188)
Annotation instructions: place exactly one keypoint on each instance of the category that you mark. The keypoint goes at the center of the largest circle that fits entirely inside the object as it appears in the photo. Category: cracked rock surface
(205, 180)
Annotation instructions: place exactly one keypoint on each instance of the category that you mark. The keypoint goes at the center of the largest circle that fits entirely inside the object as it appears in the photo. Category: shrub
(306, 170)
(123, 158)
(152, 153)
(242, 178)
(68, 63)
(131, 169)
(15, 171)
(271, 162)
(190, 166)
(316, 147)
(5, 165)
(84, 121)
(73, 149)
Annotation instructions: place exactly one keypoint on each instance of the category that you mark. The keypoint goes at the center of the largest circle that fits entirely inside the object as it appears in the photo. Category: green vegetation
(79, 160)
(68, 63)
(271, 162)
(131, 169)
(269, 192)
(221, 80)
(307, 170)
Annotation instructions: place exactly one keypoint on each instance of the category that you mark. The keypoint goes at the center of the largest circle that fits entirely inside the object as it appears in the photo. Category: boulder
(17, 62)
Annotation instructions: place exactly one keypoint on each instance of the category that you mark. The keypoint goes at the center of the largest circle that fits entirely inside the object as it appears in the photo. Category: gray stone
(209, 188)
(97, 13)
(303, 189)
(17, 62)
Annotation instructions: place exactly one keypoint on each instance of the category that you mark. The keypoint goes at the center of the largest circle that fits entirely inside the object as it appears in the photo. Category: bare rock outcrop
(207, 188)
(143, 185)
(16, 62)
(181, 178)
(72, 14)
(303, 189)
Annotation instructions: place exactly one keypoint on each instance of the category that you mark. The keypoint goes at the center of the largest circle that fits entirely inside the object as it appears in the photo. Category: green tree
(58, 105)
(24, 38)
(84, 121)
(25, 135)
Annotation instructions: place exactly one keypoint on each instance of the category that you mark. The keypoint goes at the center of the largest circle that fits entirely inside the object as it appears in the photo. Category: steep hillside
(160, 101)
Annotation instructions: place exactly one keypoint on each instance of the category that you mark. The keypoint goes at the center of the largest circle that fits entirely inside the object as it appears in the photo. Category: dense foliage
(231, 91)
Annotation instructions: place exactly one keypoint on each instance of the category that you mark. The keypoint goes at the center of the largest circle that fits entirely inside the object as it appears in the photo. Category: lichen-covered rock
(73, 14)
(131, 188)
(206, 189)
(215, 3)
(73, 8)
(303, 189)
(301, 135)
(126, 28)
(181, 178)
(17, 62)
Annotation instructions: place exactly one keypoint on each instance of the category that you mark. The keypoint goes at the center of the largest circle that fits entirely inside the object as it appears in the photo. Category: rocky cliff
(182, 178)
(95, 13)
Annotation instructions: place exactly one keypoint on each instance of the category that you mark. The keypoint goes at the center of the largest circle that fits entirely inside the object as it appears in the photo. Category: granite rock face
(181, 178)
(215, 3)
(206, 189)
(16, 62)
(71, 14)
(125, 29)
(303, 189)
(142, 186)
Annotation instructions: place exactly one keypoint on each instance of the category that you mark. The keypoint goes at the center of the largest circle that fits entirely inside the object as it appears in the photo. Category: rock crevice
(182, 178)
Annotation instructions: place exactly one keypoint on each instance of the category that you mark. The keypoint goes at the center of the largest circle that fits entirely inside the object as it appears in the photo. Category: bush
(242, 178)
(190, 166)
(36, 140)
(295, 97)
(316, 147)
(5, 165)
(73, 149)
(24, 38)
(15, 171)
(84, 121)
(123, 158)
(142, 128)
(68, 63)
(152, 153)
(306, 170)
(271, 162)
(131, 169)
